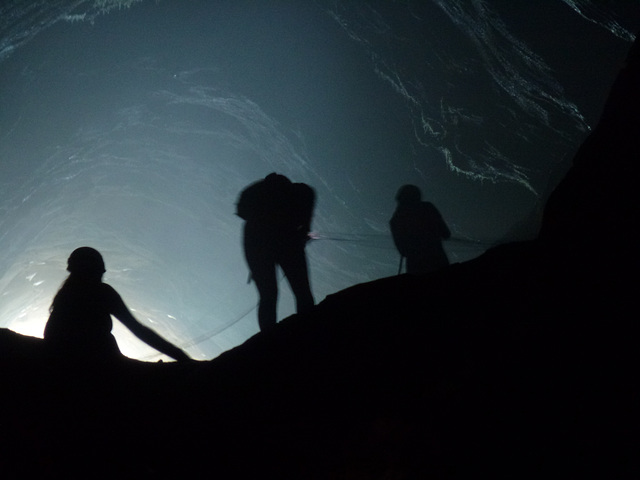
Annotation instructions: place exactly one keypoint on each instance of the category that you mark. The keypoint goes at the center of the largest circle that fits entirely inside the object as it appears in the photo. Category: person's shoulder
(303, 187)
(302, 190)
(108, 291)
(428, 207)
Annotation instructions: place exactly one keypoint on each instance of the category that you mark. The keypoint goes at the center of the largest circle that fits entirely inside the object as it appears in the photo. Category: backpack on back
(277, 202)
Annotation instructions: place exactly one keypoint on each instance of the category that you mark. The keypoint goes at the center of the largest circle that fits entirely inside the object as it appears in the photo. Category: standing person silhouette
(277, 216)
(79, 325)
(418, 230)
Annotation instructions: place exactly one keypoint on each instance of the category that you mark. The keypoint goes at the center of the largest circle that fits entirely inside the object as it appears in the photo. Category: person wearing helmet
(418, 231)
(79, 324)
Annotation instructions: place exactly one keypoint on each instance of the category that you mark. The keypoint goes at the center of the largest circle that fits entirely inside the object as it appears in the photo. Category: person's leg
(263, 273)
(416, 265)
(267, 305)
(294, 266)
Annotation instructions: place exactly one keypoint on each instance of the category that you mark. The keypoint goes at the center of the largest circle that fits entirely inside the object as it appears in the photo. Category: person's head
(278, 180)
(86, 262)
(85, 267)
(408, 194)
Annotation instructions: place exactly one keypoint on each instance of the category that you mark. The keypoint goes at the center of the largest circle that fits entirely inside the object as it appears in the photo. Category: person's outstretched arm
(148, 336)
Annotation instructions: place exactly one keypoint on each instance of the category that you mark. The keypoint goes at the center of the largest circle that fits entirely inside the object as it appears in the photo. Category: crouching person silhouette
(79, 325)
(277, 216)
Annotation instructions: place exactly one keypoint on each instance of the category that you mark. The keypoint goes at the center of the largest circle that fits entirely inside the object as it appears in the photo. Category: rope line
(361, 239)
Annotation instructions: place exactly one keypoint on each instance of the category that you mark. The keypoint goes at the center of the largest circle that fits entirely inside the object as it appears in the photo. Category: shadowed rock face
(520, 363)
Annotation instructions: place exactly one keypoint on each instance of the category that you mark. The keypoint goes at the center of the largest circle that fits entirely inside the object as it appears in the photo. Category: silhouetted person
(79, 326)
(277, 216)
(418, 230)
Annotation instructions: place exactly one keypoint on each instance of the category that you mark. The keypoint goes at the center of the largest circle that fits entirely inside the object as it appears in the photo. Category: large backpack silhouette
(277, 204)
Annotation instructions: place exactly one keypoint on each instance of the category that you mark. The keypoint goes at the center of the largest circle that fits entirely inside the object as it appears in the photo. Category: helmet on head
(278, 179)
(85, 260)
(408, 194)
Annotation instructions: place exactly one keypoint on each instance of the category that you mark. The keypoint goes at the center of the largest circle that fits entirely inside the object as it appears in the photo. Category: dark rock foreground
(521, 363)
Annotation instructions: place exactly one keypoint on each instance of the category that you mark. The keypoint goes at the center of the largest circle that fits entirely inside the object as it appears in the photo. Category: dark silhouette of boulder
(520, 363)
